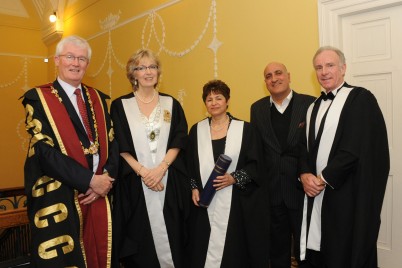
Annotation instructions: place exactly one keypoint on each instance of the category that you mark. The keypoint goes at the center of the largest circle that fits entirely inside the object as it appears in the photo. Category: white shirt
(324, 105)
(69, 89)
(285, 103)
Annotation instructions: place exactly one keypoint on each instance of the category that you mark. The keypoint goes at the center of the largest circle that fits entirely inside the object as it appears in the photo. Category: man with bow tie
(343, 170)
(71, 162)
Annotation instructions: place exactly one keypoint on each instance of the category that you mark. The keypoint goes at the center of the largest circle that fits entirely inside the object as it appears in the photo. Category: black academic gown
(357, 168)
(131, 227)
(246, 242)
(46, 166)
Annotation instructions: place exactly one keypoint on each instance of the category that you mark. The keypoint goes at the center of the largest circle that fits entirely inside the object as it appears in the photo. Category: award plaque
(220, 168)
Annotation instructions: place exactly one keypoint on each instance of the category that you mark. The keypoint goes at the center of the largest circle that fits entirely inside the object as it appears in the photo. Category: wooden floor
(294, 263)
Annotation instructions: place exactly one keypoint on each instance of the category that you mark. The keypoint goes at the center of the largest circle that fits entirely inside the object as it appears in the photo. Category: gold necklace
(142, 100)
(93, 148)
(223, 124)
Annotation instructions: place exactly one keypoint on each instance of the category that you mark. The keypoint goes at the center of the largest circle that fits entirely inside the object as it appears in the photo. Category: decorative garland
(214, 45)
(22, 73)
(148, 32)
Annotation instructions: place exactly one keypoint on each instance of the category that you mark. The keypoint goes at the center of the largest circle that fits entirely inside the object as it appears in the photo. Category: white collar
(285, 103)
(69, 89)
(335, 91)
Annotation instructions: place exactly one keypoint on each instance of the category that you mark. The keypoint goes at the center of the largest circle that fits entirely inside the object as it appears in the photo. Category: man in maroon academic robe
(70, 166)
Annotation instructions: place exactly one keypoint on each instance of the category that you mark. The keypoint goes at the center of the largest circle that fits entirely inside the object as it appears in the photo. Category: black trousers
(283, 228)
(313, 260)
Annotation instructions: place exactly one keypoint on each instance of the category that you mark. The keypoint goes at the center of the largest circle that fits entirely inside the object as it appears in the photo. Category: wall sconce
(53, 17)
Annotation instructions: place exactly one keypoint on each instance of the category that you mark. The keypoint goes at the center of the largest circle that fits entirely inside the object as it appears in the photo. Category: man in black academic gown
(344, 169)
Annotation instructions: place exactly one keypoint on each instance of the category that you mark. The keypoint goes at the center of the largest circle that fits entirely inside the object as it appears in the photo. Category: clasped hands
(99, 186)
(152, 178)
(312, 185)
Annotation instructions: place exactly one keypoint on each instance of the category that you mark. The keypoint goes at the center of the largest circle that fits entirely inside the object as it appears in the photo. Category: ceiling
(13, 8)
(29, 14)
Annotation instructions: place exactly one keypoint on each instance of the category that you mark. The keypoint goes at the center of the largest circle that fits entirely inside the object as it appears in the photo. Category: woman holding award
(232, 230)
(150, 199)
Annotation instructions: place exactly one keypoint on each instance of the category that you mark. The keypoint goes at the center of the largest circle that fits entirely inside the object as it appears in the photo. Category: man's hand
(89, 197)
(101, 184)
(311, 184)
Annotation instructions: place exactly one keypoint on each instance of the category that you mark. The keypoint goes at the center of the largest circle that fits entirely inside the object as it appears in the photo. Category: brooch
(167, 117)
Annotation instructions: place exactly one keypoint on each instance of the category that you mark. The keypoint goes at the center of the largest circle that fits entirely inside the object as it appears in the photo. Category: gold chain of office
(93, 148)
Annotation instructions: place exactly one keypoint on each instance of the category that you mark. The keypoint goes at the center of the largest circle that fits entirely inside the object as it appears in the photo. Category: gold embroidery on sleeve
(57, 212)
(34, 127)
(45, 185)
(51, 248)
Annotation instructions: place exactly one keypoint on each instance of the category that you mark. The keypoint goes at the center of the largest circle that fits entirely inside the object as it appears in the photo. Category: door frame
(330, 13)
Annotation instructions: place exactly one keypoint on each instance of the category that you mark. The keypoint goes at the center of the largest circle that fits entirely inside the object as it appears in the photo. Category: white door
(370, 34)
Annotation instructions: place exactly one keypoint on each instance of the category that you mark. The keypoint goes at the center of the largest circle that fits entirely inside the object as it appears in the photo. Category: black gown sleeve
(251, 155)
(192, 160)
(361, 122)
(45, 152)
(178, 131)
(112, 163)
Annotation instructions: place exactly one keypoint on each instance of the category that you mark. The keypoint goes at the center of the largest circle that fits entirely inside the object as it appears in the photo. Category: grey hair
(76, 40)
(342, 59)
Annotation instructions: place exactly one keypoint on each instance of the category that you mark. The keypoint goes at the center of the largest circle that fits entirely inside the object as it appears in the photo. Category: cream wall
(250, 34)
(22, 66)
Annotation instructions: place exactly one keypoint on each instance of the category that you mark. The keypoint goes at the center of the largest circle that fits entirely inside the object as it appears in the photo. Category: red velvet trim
(95, 216)
(64, 127)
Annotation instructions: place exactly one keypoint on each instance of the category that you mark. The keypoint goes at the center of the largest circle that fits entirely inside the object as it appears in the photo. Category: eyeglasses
(143, 68)
(71, 58)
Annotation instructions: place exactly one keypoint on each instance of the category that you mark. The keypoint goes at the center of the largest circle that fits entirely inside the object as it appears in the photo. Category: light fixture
(53, 17)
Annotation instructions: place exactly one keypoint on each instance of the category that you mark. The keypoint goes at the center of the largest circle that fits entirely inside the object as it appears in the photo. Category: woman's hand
(152, 177)
(195, 196)
(223, 181)
(158, 188)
